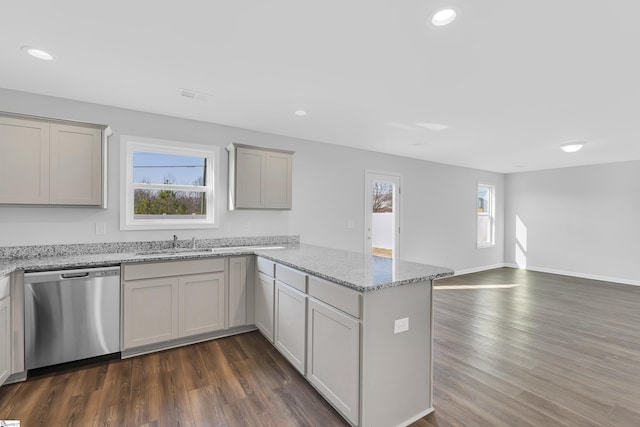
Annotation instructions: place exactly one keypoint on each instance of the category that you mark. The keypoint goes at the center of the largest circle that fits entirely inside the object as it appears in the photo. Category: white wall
(382, 230)
(438, 201)
(580, 221)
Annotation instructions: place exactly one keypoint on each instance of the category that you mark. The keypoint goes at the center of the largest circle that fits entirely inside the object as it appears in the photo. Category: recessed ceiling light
(300, 113)
(443, 17)
(192, 94)
(572, 147)
(37, 53)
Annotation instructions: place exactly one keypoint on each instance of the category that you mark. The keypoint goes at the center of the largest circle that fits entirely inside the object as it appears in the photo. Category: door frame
(371, 175)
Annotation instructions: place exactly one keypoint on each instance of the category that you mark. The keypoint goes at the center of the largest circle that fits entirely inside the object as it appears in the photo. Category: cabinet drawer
(150, 270)
(4, 287)
(266, 266)
(335, 295)
(291, 277)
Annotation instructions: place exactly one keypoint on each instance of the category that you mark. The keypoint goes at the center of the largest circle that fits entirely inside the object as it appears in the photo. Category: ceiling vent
(192, 94)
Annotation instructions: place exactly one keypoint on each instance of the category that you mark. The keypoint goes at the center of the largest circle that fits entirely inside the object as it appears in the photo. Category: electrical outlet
(351, 224)
(401, 325)
(101, 228)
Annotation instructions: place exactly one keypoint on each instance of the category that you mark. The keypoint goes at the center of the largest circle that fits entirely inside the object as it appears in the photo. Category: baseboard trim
(478, 269)
(180, 342)
(18, 377)
(610, 279)
(416, 418)
(586, 276)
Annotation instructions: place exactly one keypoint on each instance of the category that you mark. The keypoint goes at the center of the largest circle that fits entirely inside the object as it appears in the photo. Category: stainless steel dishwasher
(71, 315)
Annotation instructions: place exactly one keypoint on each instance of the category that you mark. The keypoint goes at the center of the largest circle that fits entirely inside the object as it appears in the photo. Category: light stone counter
(354, 270)
(351, 269)
(67, 256)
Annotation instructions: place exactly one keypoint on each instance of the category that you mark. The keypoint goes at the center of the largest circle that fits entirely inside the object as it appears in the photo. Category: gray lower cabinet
(238, 292)
(201, 303)
(169, 300)
(290, 324)
(5, 330)
(333, 357)
(264, 299)
(315, 325)
(150, 312)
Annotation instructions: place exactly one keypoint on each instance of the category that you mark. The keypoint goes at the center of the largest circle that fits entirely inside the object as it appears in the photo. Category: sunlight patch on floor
(505, 286)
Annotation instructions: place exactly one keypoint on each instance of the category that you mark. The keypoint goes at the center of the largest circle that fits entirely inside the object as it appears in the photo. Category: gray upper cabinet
(259, 178)
(24, 161)
(51, 162)
(75, 165)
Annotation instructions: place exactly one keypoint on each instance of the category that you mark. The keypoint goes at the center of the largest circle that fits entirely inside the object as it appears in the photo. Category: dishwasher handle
(77, 274)
(74, 275)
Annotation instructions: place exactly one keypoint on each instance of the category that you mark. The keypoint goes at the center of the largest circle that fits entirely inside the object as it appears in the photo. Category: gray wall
(580, 221)
(438, 211)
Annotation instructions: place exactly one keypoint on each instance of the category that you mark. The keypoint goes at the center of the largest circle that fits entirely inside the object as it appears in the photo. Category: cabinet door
(237, 291)
(333, 357)
(5, 339)
(201, 303)
(264, 305)
(150, 311)
(76, 165)
(277, 180)
(290, 325)
(250, 185)
(24, 161)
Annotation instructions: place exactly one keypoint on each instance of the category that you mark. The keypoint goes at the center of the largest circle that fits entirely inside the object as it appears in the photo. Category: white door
(382, 214)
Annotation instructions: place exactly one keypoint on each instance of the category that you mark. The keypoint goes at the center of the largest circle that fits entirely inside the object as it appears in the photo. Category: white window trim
(491, 215)
(129, 144)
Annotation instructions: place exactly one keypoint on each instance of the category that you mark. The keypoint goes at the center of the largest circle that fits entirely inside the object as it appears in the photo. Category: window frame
(491, 208)
(129, 144)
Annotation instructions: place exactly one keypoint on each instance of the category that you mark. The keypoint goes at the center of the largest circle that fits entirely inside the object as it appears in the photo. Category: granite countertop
(351, 269)
(111, 259)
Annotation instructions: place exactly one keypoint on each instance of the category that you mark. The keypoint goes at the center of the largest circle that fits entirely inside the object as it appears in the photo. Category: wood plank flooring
(521, 348)
(512, 348)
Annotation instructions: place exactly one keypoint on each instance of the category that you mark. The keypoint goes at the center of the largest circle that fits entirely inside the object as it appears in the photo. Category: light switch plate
(401, 325)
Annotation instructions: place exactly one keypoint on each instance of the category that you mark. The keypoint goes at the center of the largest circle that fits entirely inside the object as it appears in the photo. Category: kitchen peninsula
(359, 328)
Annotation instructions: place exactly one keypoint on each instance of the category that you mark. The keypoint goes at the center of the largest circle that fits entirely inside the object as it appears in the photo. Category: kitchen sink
(174, 251)
(243, 248)
(187, 251)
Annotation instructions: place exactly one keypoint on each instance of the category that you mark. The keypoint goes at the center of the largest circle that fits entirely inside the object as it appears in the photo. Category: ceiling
(511, 80)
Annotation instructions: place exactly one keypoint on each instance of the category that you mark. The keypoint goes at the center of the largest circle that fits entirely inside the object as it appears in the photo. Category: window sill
(488, 245)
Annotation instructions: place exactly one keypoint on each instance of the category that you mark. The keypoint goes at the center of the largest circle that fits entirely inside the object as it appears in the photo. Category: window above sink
(167, 184)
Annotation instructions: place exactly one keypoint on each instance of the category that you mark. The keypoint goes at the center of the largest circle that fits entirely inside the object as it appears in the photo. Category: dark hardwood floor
(512, 348)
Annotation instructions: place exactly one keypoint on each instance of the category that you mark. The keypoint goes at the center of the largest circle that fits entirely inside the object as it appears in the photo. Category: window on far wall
(167, 184)
(486, 215)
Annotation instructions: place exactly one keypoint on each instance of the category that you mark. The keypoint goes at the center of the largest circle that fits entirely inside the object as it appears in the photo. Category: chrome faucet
(175, 241)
